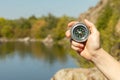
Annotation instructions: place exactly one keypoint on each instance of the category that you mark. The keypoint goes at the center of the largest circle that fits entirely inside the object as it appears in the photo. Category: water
(32, 61)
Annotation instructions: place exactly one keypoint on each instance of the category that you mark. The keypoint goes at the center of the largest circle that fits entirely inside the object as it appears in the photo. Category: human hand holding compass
(86, 41)
(85, 38)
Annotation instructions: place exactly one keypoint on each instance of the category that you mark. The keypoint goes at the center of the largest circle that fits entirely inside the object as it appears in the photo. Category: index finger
(72, 23)
(69, 26)
(68, 34)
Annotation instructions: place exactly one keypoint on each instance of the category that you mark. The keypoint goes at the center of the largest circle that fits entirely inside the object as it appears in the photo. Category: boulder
(48, 41)
(79, 74)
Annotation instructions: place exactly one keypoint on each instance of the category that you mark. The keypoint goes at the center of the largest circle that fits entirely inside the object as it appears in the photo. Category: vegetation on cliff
(106, 23)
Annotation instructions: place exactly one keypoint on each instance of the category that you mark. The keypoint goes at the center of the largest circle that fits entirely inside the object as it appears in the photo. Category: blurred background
(32, 35)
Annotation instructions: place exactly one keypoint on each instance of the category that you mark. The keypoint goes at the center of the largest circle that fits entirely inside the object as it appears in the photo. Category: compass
(79, 32)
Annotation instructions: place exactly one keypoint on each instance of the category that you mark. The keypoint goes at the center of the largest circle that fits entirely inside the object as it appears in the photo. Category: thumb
(91, 26)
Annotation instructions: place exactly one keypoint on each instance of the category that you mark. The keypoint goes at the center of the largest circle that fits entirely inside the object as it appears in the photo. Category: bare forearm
(107, 64)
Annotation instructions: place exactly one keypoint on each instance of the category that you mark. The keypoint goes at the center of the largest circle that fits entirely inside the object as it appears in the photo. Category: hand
(91, 46)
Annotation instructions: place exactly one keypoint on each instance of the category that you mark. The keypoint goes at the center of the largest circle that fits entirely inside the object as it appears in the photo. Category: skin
(92, 51)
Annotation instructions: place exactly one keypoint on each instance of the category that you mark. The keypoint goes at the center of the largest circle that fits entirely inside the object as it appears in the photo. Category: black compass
(79, 32)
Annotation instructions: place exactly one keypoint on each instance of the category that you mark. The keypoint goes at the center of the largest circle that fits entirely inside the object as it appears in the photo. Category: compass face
(79, 32)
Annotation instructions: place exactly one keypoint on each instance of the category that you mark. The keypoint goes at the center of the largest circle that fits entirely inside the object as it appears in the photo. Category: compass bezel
(83, 26)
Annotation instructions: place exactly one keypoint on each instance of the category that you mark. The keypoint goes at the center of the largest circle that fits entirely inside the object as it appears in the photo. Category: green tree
(51, 21)
(2, 23)
(32, 19)
(7, 31)
(59, 31)
(22, 28)
(38, 29)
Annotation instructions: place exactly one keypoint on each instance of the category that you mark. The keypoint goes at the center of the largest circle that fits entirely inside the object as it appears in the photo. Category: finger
(72, 23)
(67, 33)
(76, 48)
(91, 26)
(80, 45)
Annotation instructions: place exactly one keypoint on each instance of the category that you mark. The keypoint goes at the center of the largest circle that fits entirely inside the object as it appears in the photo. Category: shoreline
(47, 41)
(26, 39)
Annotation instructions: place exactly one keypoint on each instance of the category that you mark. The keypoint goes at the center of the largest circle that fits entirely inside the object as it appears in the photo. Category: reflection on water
(32, 61)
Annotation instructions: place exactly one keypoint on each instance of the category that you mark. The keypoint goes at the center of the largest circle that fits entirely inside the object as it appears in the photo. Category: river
(32, 61)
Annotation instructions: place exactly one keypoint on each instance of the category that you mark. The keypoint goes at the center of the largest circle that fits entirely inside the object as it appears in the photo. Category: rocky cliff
(93, 12)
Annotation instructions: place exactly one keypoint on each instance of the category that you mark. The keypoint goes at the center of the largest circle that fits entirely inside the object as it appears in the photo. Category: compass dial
(79, 32)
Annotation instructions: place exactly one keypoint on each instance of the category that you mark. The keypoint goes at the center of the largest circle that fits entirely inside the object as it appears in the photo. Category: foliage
(106, 24)
(34, 27)
(37, 30)
(6, 31)
(59, 31)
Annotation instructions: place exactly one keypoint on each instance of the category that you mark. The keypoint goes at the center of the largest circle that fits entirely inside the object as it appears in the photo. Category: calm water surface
(32, 61)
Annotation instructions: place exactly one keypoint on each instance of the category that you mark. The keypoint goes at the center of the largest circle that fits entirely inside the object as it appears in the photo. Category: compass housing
(79, 32)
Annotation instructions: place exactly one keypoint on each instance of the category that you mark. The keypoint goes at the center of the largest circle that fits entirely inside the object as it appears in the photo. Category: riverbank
(48, 41)
(26, 39)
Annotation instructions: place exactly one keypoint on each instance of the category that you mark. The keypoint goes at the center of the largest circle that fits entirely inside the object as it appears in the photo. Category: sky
(13, 9)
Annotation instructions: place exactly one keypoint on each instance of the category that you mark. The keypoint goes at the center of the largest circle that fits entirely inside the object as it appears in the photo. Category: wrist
(96, 55)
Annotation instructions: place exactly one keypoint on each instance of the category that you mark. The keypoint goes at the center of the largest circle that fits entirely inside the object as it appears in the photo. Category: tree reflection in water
(32, 61)
(34, 50)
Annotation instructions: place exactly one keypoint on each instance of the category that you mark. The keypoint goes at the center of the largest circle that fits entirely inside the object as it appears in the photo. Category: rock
(48, 41)
(93, 13)
(26, 39)
(3, 40)
(79, 74)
